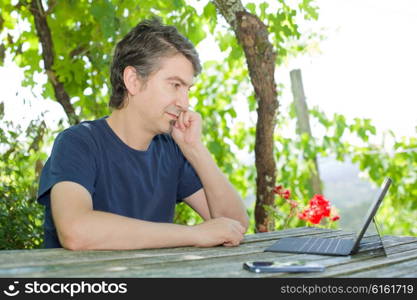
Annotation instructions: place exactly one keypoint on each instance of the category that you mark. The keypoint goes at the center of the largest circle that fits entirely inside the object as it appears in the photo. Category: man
(113, 183)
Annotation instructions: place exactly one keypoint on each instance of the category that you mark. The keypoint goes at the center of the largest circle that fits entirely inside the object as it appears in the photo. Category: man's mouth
(172, 115)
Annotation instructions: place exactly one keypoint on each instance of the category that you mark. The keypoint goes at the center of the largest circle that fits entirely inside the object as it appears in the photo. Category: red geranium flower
(286, 194)
(319, 208)
(277, 189)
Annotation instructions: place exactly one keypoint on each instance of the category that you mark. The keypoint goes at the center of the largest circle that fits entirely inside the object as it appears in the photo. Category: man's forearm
(106, 231)
(223, 200)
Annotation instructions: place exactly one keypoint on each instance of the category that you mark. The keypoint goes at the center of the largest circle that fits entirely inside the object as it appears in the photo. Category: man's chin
(171, 126)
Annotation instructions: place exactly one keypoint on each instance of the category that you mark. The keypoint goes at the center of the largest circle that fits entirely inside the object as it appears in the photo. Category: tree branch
(45, 38)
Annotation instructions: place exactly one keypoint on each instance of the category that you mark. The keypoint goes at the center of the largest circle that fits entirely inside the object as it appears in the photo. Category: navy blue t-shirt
(144, 185)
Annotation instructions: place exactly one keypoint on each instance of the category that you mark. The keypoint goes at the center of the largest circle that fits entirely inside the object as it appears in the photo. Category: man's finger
(181, 120)
(242, 229)
(239, 226)
(187, 119)
(231, 244)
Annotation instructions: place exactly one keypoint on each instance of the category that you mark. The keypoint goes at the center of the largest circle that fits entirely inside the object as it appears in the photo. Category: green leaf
(209, 11)
(103, 12)
(178, 4)
(251, 7)
(196, 34)
(225, 41)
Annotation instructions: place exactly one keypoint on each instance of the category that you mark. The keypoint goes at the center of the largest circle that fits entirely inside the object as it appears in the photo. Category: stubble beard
(171, 126)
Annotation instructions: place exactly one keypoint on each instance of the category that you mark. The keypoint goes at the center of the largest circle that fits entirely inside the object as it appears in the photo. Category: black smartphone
(275, 267)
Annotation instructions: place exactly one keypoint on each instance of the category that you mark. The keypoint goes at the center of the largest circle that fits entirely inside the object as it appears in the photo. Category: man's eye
(176, 85)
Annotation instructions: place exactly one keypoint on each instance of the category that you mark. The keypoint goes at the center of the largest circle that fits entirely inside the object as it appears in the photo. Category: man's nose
(183, 101)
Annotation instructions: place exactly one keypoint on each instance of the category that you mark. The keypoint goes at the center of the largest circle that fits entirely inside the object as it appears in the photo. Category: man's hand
(219, 231)
(187, 130)
(222, 199)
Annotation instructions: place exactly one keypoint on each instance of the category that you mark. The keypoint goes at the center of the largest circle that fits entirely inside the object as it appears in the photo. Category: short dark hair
(141, 48)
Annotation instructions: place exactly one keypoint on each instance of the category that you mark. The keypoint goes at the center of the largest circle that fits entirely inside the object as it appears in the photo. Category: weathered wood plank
(217, 266)
(407, 268)
(356, 267)
(58, 268)
(364, 259)
(232, 266)
(212, 262)
(60, 256)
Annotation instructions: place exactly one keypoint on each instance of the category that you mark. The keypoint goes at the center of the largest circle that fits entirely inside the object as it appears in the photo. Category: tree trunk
(44, 35)
(252, 34)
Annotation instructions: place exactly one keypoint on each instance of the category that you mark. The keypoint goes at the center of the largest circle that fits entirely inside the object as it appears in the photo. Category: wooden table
(401, 260)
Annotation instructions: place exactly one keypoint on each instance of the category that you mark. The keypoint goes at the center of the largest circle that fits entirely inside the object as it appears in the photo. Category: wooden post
(303, 123)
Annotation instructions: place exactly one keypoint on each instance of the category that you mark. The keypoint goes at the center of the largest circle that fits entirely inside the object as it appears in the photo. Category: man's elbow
(245, 222)
(72, 239)
(244, 218)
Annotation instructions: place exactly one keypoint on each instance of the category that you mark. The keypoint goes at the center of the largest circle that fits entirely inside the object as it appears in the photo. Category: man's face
(165, 94)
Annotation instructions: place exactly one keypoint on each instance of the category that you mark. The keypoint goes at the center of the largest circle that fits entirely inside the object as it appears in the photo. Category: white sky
(368, 64)
(367, 67)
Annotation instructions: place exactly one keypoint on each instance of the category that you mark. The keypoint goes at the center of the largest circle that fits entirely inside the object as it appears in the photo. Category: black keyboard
(313, 245)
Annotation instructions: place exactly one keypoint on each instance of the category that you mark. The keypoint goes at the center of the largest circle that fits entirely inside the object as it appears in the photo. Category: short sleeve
(71, 159)
(189, 182)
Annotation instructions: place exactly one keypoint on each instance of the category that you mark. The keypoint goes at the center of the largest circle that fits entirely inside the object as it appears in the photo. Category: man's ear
(131, 80)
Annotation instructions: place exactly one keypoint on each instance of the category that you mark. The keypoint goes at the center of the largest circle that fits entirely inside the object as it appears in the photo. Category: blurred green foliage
(355, 142)
(21, 217)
